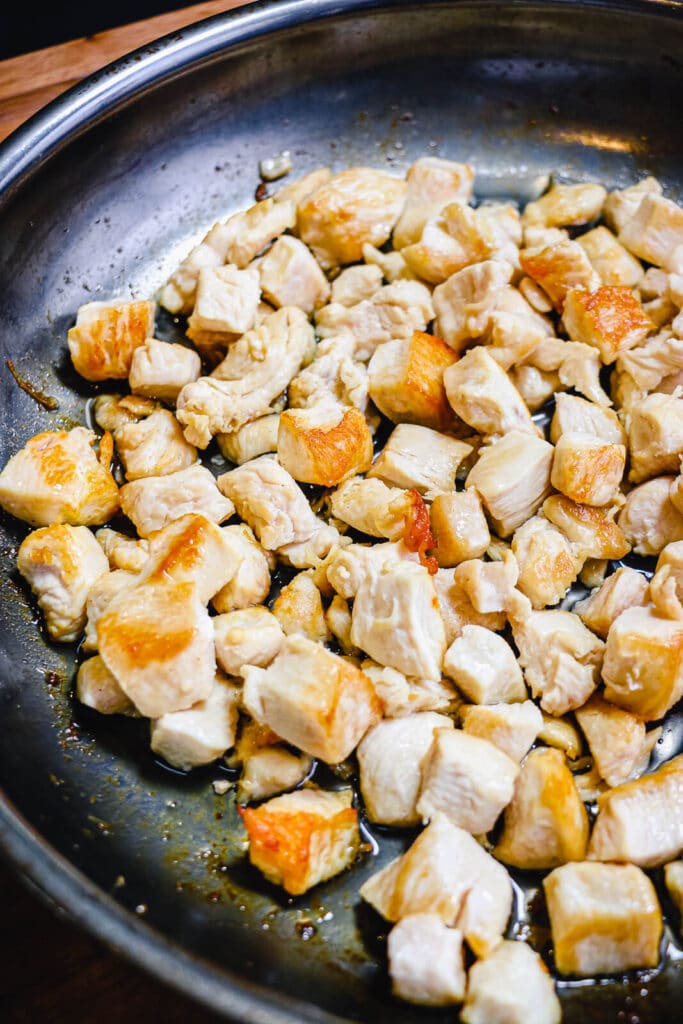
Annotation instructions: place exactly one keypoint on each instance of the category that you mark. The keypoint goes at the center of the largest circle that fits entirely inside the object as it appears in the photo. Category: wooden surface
(52, 971)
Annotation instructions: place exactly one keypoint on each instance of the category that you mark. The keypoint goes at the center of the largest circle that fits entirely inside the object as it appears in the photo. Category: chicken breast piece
(655, 232)
(592, 531)
(512, 478)
(490, 586)
(291, 276)
(153, 502)
(459, 527)
(483, 666)
(649, 519)
(546, 823)
(419, 457)
(226, 301)
(575, 364)
(426, 962)
(510, 727)
(249, 636)
(432, 183)
(482, 395)
(253, 439)
(548, 564)
(370, 506)
(157, 640)
(467, 779)
(334, 378)
(673, 878)
(105, 336)
(457, 610)
(643, 666)
(621, 204)
(559, 268)
(406, 380)
(655, 436)
(611, 318)
(446, 872)
(575, 415)
(604, 918)
(98, 689)
(463, 304)
(586, 469)
(112, 411)
(614, 264)
(357, 205)
(250, 584)
(159, 369)
(356, 283)
(299, 609)
(60, 563)
(392, 264)
(566, 206)
(192, 549)
(154, 446)
(58, 477)
(672, 556)
(324, 445)
(202, 733)
(513, 336)
(270, 771)
(352, 567)
(511, 985)
(625, 588)
(100, 593)
(400, 695)
(456, 238)
(396, 620)
(617, 740)
(561, 658)
(313, 699)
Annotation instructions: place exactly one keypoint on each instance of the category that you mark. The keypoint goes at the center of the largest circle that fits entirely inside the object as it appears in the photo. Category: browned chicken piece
(157, 640)
(432, 183)
(291, 276)
(535, 386)
(592, 531)
(299, 609)
(313, 699)
(625, 588)
(191, 549)
(98, 689)
(155, 501)
(154, 446)
(649, 519)
(673, 878)
(256, 370)
(672, 556)
(58, 477)
(397, 622)
(655, 232)
(510, 727)
(534, 294)
(548, 564)
(426, 961)
(482, 395)
(459, 527)
(558, 269)
(391, 264)
(112, 411)
(503, 223)
(200, 734)
(458, 237)
(391, 758)
(355, 284)
(60, 563)
(338, 619)
(511, 985)
(561, 658)
(512, 337)
(643, 667)
(655, 436)
(483, 666)
(446, 872)
(614, 264)
(406, 380)
(566, 206)
(611, 318)
(300, 839)
(593, 572)
(649, 365)
(296, 191)
(467, 779)
(324, 445)
(563, 735)
(421, 458)
(270, 771)
(226, 302)
(370, 506)
(106, 335)
(100, 594)
(588, 470)
(621, 204)
(604, 918)
(617, 739)
(640, 821)
(334, 377)
(512, 478)
(536, 236)
(574, 414)
(357, 205)
(247, 636)
(464, 303)
(253, 439)
(546, 823)
(161, 370)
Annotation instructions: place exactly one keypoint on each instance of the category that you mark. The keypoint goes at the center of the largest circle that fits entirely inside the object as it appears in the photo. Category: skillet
(100, 195)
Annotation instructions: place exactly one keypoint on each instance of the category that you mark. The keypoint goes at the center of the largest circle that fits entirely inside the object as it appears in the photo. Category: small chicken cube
(333, 378)
(547, 562)
(426, 963)
(155, 501)
(511, 985)
(643, 666)
(299, 189)
(200, 734)
(352, 567)
(161, 370)
(98, 689)
(391, 757)
(510, 727)
(622, 204)
(672, 556)
(248, 636)
(490, 586)
(457, 610)
(300, 839)
(484, 667)
(357, 205)
(614, 264)
(464, 303)
(592, 531)
(546, 823)
(106, 335)
(616, 738)
(400, 695)
(432, 183)
(566, 206)
(290, 276)
(299, 609)
(586, 469)
(512, 478)
(313, 699)
(459, 527)
(650, 519)
(655, 232)
(604, 918)
(324, 445)
(157, 640)
(655, 436)
(419, 457)
(513, 337)
(406, 380)
(355, 284)
(227, 299)
(391, 264)
(610, 318)
(575, 364)
(457, 238)
(251, 583)
(558, 269)
(60, 563)
(370, 506)
(154, 446)
(100, 594)
(191, 549)
(338, 619)
(270, 771)
(625, 588)
(253, 439)
(673, 878)
(482, 395)
(112, 411)
(575, 415)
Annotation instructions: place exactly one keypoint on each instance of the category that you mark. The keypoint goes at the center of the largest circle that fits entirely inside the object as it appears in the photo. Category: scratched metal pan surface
(100, 195)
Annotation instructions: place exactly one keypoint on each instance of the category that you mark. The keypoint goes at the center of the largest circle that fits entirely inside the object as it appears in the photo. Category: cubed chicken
(406, 380)
(157, 640)
(648, 366)
(299, 189)
(457, 610)
(467, 779)
(459, 527)
(655, 436)
(575, 415)
(338, 619)
(561, 658)
(546, 823)
(513, 337)
(106, 335)
(112, 411)
(226, 301)
(397, 622)
(611, 318)
(483, 666)
(621, 204)
(673, 878)
(563, 735)
(100, 594)
(643, 667)
(510, 727)
(490, 585)
(446, 872)
(313, 699)
(625, 588)
(432, 183)
(155, 501)
(400, 695)
(253, 439)
(155, 446)
(566, 206)
(592, 531)
(576, 365)
(463, 304)
(616, 738)
(251, 583)
(357, 205)
(587, 470)
(270, 771)
(299, 609)
(548, 564)
(60, 563)
(655, 232)
(161, 370)
(300, 839)
(352, 567)
(559, 269)
(192, 549)
(391, 758)
(248, 636)
(370, 506)
(672, 556)
(200, 734)
(391, 264)
(426, 962)
(333, 377)
(535, 386)
(512, 478)
(98, 689)
(324, 445)
(613, 263)
(650, 519)
(456, 238)
(511, 985)
(57, 477)
(482, 395)
(604, 918)
(355, 284)
(419, 457)
(291, 276)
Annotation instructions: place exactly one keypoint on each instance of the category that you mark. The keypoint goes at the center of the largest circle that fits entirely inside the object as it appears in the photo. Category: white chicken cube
(357, 565)
(291, 276)
(432, 183)
(154, 446)
(253, 439)
(513, 337)
(457, 610)
(370, 506)
(672, 556)
(483, 665)
(202, 733)
(575, 415)
(643, 666)
(625, 588)
(161, 370)
(192, 549)
(510, 727)
(299, 609)
(650, 519)
(613, 263)
(512, 478)
(269, 771)
(558, 268)
(586, 469)
(98, 689)
(248, 636)
(155, 501)
(334, 377)
(621, 204)
(482, 395)
(400, 695)
(227, 299)
(655, 232)
(464, 303)
(547, 562)
(616, 738)
(511, 985)
(419, 457)
(458, 237)
(406, 380)
(426, 962)
(459, 527)
(250, 584)
(655, 436)
(100, 594)
(106, 335)
(490, 586)
(355, 284)
(324, 445)
(566, 205)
